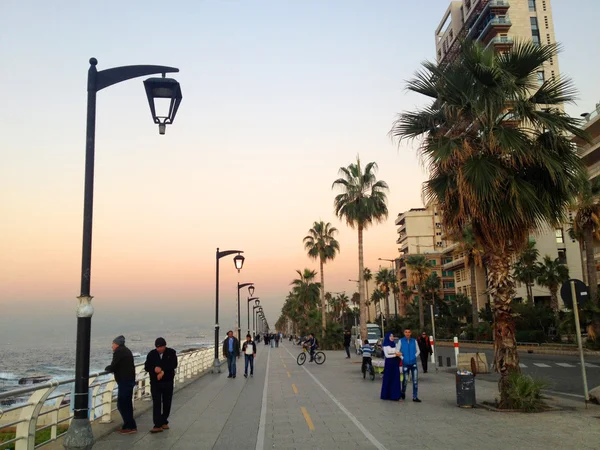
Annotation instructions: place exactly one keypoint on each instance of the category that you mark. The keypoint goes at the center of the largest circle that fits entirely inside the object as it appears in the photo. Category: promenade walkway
(286, 406)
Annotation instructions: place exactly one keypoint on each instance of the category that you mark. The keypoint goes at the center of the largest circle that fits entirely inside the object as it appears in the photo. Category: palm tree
(368, 276)
(552, 274)
(386, 279)
(419, 270)
(306, 293)
(525, 269)
(500, 158)
(473, 259)
(321, 244)
(587, 223)
(363, 201)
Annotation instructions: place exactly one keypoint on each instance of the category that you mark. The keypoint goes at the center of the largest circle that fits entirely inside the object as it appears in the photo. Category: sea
(44, 346)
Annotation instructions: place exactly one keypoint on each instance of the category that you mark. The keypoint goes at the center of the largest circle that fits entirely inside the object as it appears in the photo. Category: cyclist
(367, 350)
(312, 344)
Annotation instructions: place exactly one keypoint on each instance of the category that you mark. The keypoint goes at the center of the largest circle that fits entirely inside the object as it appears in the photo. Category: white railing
(46, 409)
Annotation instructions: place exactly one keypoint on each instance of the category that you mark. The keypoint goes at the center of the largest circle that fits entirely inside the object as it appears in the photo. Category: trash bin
(465, 389)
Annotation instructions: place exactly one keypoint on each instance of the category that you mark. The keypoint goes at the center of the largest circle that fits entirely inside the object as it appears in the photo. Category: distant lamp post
(79, 435)
(239, 263)
(395, 266)
(248, 308)
(239, 317)
(254, 313)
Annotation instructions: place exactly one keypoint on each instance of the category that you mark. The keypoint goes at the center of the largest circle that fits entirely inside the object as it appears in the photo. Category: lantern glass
(239, 262)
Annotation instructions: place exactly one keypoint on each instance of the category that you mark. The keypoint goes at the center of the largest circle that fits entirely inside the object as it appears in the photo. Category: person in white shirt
(390, 387)
(249, 351)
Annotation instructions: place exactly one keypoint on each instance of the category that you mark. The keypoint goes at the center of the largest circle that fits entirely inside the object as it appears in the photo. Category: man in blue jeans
(123, 367)
(410, 352)
(231, 349)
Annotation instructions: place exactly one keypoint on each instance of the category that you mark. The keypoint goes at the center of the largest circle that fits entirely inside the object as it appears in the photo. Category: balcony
(477, 33)
(500, 42)
(455, 263)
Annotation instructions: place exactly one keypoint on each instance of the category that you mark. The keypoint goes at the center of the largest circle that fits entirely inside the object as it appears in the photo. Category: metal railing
(49, 408)
(592, 114)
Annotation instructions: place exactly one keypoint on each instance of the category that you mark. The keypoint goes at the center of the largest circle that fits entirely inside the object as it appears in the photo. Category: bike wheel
(301, 358)
(319, 358)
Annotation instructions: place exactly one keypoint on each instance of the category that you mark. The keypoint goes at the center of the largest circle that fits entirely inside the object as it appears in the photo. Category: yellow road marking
(295, 388)
(284, 365)
(289, 376)
(307, 418)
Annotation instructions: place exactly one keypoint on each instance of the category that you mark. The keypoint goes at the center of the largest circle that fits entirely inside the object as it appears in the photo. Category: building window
(540, 76)
(548, 38)
(562, 256)
(560, 238)
(532, 5)
(439, 244)
(432, 262)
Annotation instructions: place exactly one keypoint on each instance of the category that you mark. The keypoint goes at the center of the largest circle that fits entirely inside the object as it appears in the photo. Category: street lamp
(254, 317)
(248, 308)
(238, 260)
(80, 433)
(239, 317)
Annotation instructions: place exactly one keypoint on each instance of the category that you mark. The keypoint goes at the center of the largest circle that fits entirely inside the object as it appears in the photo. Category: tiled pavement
(332, 407)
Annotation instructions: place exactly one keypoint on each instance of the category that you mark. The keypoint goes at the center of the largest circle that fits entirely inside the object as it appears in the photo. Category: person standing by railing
(160, 365)
(123, 367)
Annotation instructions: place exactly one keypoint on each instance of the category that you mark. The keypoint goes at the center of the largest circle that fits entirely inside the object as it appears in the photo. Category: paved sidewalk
(332, 407)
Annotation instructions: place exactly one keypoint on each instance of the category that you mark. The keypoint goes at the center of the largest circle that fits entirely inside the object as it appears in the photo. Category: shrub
(525, 393)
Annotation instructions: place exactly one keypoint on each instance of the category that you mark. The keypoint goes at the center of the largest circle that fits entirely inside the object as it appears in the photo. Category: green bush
(525, 393)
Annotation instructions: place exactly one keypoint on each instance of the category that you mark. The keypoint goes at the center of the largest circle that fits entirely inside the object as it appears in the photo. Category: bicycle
(319, 357)
(368, 367)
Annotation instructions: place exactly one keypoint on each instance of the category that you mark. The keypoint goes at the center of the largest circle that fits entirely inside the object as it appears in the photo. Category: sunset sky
(277, 96)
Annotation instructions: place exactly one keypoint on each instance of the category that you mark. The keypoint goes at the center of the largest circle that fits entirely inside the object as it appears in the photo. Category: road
(561, 372)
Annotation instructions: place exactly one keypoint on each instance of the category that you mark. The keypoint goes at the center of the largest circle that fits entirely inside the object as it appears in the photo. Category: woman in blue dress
(390, 388)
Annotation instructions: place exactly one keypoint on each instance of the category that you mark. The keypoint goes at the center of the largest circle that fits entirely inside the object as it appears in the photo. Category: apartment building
(497, 23)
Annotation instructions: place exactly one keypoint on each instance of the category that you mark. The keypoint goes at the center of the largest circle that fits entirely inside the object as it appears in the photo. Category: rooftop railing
(48, 405)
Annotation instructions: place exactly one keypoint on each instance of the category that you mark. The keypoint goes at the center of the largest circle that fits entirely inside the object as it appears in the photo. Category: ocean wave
(8, 376)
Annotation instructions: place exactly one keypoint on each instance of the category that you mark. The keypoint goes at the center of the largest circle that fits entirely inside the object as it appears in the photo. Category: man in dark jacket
(124, 370)
(347, 339)
(160, 365)
(425, 348)
(231, 349)
(249, 351)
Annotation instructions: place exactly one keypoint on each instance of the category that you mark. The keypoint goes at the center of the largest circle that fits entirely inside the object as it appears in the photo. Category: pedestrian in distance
(390, 386)
(123, 368)
(347, 339)
(160, 365)
(425, 349)
(249, 351)
(231, 349)
(410, 351)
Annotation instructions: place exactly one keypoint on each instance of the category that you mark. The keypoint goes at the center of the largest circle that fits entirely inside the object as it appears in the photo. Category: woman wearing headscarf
(390, 388)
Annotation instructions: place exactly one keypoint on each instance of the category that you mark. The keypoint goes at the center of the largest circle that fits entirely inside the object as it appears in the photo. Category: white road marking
(565, 365)
(541, 365)
(356, 422)
(590, 365)
(522, 366)
(260, 439)
(565, 393)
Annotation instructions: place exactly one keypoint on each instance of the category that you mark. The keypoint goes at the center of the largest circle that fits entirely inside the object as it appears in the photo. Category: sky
(277, 96)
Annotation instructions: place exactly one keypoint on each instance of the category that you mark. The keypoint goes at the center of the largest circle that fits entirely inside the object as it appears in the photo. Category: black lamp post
(254, 330)
(79, 435)
(239, 317)
(238, 260)
(248, 309)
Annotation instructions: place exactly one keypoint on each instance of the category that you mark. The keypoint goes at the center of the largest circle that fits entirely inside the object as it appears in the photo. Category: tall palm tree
(306, 292)
(368, 276)
(386, 279)
(320, 243)
(552, 274)
(363, 201)
(499, 155)
(467, 244)
(525, 269)
(587, 223)
(420, 268)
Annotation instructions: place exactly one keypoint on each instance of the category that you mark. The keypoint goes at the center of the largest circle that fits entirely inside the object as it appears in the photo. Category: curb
(538, 350)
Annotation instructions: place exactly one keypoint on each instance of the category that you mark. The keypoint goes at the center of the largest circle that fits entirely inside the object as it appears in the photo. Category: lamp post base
(216, 366)
(79, 435)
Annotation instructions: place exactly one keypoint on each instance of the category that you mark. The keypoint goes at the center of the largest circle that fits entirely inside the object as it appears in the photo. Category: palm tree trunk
(387, 304)
(529, 294)
(323, 306)
(421, 306)
(501, 287)
(590, 263)
(402, 301)
(361, 284)
(554, 300)
(583, 268)
(369, 306)
(474, 299)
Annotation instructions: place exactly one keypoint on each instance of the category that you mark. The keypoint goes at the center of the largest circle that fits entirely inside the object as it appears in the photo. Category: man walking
(347, 339)
(249, 351)
(425, 349)
(231, 349)
(160, 365)
(410, 351)
(124, 370)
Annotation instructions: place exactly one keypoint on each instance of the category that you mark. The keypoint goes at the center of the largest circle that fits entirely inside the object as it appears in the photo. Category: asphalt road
(561, 372)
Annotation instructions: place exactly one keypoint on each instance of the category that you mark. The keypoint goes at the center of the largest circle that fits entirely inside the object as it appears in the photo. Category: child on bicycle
(367, 351)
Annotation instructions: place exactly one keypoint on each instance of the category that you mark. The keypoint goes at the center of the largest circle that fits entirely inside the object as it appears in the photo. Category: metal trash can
(465, 389)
